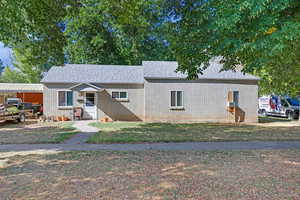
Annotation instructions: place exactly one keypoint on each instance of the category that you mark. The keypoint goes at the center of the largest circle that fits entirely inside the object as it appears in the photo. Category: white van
(279, 106)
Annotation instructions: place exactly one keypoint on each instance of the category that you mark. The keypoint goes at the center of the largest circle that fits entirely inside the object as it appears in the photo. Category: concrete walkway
(155, 146)
(85, 132)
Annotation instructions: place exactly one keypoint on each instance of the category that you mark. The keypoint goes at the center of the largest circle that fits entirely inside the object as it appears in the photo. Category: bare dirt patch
(9, 154)
(153, 175)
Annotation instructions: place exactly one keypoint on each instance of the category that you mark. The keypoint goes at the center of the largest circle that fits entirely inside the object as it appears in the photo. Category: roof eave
(56, 82)
(181, 78)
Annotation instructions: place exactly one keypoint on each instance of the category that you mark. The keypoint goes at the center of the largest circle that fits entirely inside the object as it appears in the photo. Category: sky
(5, 55)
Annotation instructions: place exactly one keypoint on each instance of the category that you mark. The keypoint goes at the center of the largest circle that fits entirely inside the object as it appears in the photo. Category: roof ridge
(101, 65)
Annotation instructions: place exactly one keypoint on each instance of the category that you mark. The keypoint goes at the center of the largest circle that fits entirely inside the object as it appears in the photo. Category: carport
(30, 93)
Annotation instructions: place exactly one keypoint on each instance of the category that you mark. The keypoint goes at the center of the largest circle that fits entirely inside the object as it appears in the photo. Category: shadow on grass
(272, 119)
(198, 132)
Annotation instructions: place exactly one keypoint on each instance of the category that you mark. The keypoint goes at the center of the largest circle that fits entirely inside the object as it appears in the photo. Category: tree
(12, 76)
(261, 35)
(23, 62)
(23, 70)
(116, 32)
(37, 25)
(34, 30)
(83, 31)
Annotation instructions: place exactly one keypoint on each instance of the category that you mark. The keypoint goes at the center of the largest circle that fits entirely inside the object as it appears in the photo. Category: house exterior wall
(51, 102)
(204, 100)
(131, 110)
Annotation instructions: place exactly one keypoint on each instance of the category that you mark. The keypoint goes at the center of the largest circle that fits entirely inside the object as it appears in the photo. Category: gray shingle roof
(161, 69)
(158, 70)
(73, 73)
(80, 73)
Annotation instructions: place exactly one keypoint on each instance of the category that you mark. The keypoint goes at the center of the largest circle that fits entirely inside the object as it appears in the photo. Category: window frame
(119, 98)
(284, 102)
(176, 107)
(66, 98)
(236, 104)
(85, 99)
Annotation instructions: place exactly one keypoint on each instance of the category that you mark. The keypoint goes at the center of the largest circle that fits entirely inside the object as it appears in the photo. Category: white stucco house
(152, 92)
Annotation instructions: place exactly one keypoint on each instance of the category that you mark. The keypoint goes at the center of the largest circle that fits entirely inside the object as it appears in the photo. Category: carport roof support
(20, 87)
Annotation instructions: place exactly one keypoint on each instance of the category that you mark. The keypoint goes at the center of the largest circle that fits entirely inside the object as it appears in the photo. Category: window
(176, 99)
(65, 98)
(236, 98)
(90, 99)
(293, 101)
(284, 103)
(119, 95)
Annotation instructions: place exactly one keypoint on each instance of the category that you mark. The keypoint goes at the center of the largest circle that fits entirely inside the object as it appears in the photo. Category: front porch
(85, 101)
(102, 102)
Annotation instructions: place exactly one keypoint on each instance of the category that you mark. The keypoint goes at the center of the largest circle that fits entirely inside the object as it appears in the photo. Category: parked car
(281, 106)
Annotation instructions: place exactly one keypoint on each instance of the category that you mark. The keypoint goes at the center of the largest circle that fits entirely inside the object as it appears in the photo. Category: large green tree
(116, 32)
(35, 25)
(82, 31)
(261, 35)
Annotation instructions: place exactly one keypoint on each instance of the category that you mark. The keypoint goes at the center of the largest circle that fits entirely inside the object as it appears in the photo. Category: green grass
(272, 119)
(68, 132)
(139, 132)
(63, 136)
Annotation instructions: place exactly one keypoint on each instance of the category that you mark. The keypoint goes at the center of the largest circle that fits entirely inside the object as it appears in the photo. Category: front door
(90, 105)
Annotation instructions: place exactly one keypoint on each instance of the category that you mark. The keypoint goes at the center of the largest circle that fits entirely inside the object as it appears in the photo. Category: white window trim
(120, 99)
(176, 107)
(65, 99)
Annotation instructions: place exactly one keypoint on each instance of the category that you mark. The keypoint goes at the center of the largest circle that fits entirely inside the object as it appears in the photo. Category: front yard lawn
(139, 132)
(265, 174)
(32, 132)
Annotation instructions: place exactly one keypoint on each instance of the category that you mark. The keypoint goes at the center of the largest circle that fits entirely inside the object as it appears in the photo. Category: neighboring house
(153, 92)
